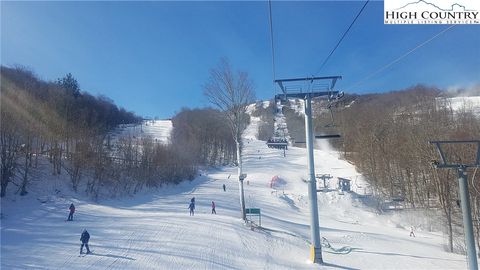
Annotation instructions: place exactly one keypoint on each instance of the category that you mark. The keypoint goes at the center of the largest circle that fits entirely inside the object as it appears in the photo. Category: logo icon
(432, 12)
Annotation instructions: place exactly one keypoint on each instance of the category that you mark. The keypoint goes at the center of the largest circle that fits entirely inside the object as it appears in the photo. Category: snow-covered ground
(466, 103)
(154, 230)
(158, 130)
(470, 104)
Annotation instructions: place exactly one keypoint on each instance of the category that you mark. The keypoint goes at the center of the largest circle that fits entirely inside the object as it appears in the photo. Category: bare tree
(232, 93)
(9, 148)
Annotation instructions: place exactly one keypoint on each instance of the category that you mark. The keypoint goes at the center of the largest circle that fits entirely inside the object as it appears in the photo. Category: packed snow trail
(158, 130)
(155, 231)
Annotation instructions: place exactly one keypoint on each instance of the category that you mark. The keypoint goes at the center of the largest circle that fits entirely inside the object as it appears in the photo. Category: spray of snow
(464, 91)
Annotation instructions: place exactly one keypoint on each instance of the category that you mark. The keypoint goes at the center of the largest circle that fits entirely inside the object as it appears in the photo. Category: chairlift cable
(401, 57)
(343, 36)
(272, 43)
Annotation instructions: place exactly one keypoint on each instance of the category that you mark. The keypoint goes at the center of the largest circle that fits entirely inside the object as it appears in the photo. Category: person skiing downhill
(412, 233)
(192, 208)
(84, 238)
(72, 210)
(224, 187)
(213, 208)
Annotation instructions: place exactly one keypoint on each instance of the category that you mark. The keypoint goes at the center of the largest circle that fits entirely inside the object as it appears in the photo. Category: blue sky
(154, 57)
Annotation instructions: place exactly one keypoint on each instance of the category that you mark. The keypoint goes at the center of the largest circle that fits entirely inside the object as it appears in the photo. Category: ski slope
(158, 130)
(471, 104)
(153, 230)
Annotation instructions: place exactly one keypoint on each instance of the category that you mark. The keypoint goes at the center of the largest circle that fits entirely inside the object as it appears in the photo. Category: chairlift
(332, 100)
(328, 136)
(398, 199)
(277, 143)
(332, 123)
(340, 95)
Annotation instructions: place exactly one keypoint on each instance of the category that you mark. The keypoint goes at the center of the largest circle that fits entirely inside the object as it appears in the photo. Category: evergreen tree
(70, 84)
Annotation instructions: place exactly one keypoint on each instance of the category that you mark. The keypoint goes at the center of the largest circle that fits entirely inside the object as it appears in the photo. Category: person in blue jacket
(84, 238)
(192, 208)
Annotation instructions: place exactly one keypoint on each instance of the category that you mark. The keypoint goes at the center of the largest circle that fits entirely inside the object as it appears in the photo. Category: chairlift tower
(464, 195)
(306, 92)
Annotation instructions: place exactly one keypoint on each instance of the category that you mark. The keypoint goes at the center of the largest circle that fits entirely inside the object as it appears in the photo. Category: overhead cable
(271, 37)
(343, 36)
(402, 56)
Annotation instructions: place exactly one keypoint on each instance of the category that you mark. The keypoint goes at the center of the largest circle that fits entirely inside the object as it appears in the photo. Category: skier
(213, 208)
(411, 232)
(192, 208)
(72, 210)
(224, 187)
(84, 238)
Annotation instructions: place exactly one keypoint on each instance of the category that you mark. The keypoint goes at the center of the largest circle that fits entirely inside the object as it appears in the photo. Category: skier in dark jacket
(412, 233)
(192, 208)
(213, 208)
(84, 238)
(224, 187)
(72, 210)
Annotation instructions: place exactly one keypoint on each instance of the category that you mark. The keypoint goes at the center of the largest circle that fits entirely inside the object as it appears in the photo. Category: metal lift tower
(464, 195)
(309, 88)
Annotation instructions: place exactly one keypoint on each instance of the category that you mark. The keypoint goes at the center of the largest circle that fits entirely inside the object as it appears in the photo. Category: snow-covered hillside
(154, 230)
(158, 130)
(457, 104)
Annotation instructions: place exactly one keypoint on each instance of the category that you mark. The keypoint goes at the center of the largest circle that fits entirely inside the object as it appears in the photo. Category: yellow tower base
(316, 254)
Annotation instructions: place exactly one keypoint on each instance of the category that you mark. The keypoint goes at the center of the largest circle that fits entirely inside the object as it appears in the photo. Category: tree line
(203, 137)
(71, 129)
(48, 118)
(387, 137)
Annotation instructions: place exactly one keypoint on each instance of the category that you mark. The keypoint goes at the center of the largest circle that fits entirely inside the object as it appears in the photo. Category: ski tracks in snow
(214, 255)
